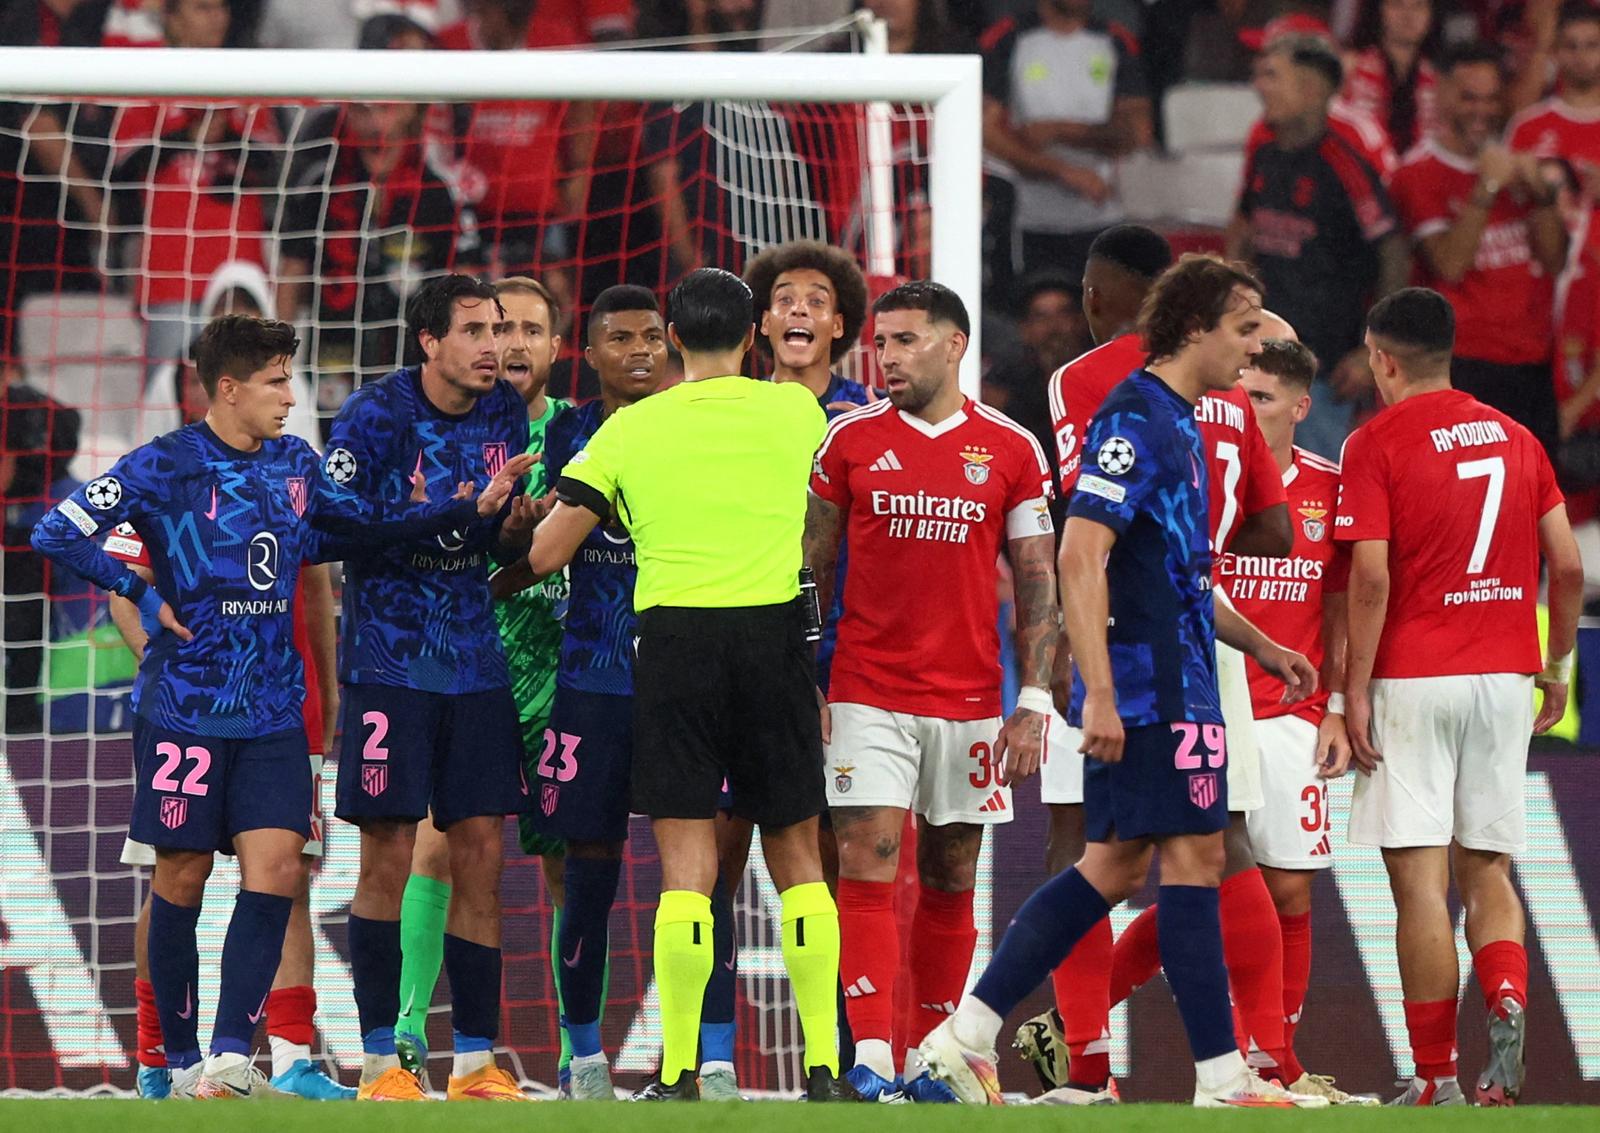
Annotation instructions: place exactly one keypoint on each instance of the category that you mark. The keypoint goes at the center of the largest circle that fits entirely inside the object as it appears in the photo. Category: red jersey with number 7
(1457, 489)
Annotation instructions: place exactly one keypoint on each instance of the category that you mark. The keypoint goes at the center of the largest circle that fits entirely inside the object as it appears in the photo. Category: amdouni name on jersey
(1467, 434)
(1269, 580)
(941, 519)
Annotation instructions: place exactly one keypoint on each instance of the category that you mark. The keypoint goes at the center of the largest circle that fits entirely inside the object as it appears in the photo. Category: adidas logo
(888, 462)
(945, 1008)
(861, 987)
(994, 805)
(1323, 849)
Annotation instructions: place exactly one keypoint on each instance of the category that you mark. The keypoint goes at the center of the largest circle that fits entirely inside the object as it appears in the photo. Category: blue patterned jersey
(1145, 478)
(840, 389)
(420, 616)
(227, 532)
(597, 648)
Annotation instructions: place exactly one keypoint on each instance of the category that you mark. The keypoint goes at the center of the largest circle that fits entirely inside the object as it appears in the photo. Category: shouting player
(586, 755)
(429, 722)
(1448, 506)
(928, 484)
(1135, 568)
(228, 507)
(527, 345)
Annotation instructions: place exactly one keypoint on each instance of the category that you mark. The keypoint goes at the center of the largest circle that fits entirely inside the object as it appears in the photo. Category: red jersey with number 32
(927, 508)
(1457, 489)
(125, 545)
(1283, 597)
(1242, 474)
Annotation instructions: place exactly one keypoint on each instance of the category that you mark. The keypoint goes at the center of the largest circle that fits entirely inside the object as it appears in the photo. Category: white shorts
(1061, 770)
(944, 770)
(141, 853)
(1455, 754)
(1292, 829)
(1244, 760)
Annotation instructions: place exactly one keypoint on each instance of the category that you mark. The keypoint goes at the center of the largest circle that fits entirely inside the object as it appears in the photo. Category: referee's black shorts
(726, 693)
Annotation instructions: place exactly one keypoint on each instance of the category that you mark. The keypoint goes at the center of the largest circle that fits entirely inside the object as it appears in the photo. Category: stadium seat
(86, 351)
(1200, 117)
(1193, 188)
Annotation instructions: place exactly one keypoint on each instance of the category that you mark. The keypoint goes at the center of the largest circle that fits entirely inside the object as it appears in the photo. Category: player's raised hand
(1333, 747)
(1102, 728)
(499, 489)
(1299, 676)
(1358, 725)
(1019, 747)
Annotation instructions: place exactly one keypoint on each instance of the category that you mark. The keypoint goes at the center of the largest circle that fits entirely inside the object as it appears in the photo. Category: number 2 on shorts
(373, 750)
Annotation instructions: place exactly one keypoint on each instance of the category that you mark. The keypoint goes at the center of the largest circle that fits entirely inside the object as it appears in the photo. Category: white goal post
(949, 84)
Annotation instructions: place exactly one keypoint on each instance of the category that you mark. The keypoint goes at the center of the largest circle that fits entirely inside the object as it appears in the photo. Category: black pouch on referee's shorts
(810, 606)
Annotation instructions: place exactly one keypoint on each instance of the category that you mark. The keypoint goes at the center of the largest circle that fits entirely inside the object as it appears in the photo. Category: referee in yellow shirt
(710, 479)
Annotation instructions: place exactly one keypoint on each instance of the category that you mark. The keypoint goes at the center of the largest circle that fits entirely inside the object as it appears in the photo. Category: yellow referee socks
(811, 953)
(683, 966)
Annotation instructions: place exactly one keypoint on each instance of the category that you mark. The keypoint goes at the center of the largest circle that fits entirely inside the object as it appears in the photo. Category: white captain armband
(1031, 518)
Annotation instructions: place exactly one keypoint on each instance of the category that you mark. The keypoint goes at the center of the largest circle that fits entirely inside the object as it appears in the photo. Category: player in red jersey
(1448, 506)
(927, 485)
(1298, 601)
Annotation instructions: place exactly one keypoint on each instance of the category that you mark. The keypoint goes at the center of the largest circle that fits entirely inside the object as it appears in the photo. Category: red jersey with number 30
(927, 508)
(1457, 489)
(125, 545)
(1283, 597)
(1243, 476)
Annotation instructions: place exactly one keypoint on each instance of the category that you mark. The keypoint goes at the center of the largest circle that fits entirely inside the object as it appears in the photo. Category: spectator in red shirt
(1390, 76)
(1488, 236)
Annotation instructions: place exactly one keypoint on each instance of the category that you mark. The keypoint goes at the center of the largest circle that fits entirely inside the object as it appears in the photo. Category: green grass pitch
(285, 1116)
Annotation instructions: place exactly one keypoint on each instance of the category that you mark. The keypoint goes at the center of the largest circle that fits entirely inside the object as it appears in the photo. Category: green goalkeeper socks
(422, 916)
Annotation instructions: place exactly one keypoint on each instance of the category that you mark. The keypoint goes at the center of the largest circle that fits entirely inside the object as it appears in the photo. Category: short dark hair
(941, 303)
(1042, 283)
(1190, 298)
(1415, 323)
(1577, 12)
(527, 285)
(434, 304)
(1290, 362)
(849, 286)
(1135, 249)
(710, 310)
(1472, 53)
(622, 297)
(1312, 52)
(238, 346)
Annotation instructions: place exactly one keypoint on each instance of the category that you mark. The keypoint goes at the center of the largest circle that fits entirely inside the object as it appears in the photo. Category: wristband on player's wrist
(1558, 669)
(1032, 698)
(1336, 704)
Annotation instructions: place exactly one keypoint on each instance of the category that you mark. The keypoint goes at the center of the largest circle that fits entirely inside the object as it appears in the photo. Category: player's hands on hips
(499, 489)
(1299, 676)
(826, 715)
(1102, 727)
(1358, 726)
(1333, 747)
(1020, 746)
(155, 616)
(1555, 702)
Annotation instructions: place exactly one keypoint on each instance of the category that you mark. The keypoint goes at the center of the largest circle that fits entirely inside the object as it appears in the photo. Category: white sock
(975, 1024)
(876, 1055)
(1216, 1073)
(373, 1065)
(915, 1065)
(711, 1068)
(470, 1062)
(285, 1054)
(589, 1060)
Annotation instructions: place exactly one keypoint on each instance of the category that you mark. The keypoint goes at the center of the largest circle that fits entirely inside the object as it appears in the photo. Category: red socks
(1252, 946)
(1502, 968)
(148, 1026)
(1432, 1027)
(943, 937)
(1296, 978)
(1082, 985)
(1136, 958)
(869, 956)
(289, 1014)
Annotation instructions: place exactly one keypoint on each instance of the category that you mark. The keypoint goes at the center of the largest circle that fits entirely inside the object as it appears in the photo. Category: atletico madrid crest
(549, 796)
(174, 812)
(494, 458)
(297, 495)
(375, 779)
(1203, 790)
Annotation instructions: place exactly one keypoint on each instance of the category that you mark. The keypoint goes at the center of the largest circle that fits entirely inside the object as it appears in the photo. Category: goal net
(143, 192)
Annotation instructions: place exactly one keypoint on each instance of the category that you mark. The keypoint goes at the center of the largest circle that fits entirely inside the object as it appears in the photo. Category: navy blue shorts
(196, 792)
(580, 785)
(1172, 779)
(405, 752)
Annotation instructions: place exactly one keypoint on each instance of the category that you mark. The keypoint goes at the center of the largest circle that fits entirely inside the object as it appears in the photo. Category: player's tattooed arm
(1369, 607)
(820, 546)
(1020, 745)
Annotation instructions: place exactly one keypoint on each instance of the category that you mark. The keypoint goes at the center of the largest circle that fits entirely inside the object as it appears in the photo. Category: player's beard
(913, 398)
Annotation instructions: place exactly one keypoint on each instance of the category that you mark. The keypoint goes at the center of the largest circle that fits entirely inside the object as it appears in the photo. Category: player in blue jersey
(429, 723)
(230, 508)
(581, 782)
(1135, 568)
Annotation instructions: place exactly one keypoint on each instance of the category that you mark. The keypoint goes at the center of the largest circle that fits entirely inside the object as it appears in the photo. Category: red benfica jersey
(1242, 473)
(927, 509)
(124, 545)
(1504, 301)
(1355, 127)
(1283, 597)
(1457, 489)
(1367, 91)
(1552, 129)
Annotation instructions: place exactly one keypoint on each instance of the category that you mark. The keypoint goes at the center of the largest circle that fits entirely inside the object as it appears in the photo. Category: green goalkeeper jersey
(530, 621)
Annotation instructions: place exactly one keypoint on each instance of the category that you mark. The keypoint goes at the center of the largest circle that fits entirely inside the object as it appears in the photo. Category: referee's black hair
(710, 310)
(432, 307)
(622, 297)
(1141, 251)
(941, 303)
(1415, 321)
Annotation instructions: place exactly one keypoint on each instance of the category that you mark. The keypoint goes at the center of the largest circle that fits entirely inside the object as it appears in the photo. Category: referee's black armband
(575, 493)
